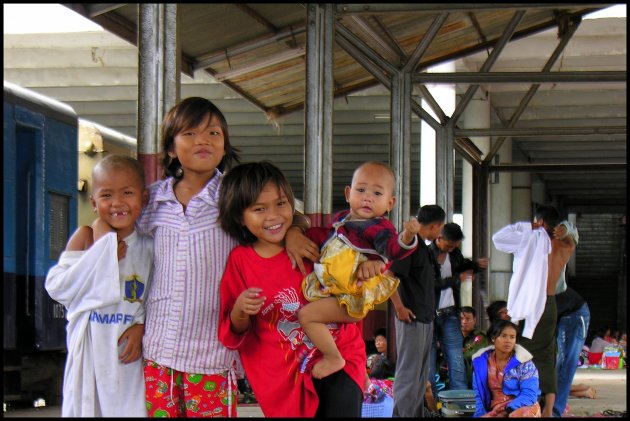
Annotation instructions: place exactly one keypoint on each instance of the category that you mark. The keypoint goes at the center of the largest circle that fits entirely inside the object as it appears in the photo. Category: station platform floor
(611, 386)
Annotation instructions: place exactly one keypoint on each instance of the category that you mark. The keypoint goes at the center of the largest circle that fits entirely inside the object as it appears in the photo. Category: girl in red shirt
(260, 298)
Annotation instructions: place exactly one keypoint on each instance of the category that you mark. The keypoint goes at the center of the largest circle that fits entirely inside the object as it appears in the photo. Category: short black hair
(240, 187)
(498, 326)
(380, 332)
(468, 309)
(452, 232)
(115, 161)
(548, 214)
(493, 309)
(429, 214)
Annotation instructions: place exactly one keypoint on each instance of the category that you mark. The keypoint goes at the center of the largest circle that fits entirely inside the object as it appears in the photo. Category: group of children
(178, 287)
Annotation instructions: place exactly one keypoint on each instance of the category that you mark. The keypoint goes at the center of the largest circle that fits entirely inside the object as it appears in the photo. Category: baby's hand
(413, 226)
(133, 348)
(250, 302)
(369, 269)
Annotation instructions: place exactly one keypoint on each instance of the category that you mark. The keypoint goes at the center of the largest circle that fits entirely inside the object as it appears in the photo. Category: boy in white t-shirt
(101, 279)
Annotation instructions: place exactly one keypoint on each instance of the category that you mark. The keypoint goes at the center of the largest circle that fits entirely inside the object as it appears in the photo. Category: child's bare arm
(101, 228)
(133, 347)
(81, 240)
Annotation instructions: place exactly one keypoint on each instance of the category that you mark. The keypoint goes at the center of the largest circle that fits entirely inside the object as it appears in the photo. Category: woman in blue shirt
(505, 379)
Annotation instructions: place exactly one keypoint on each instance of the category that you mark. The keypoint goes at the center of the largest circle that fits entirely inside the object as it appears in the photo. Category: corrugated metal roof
(211, 30)
(235, 42)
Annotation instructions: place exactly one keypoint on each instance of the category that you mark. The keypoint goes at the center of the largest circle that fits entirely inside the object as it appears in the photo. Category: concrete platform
(610, 386)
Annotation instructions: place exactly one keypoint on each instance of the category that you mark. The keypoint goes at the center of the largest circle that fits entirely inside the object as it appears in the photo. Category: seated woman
(505, 379)
(598, 344)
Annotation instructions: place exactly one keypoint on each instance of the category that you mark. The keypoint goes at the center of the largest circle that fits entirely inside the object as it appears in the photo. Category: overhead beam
(423, 45)
(542, 168)
(261, 64)
(97, 9)
(385, 44)
(485, 67)
(256, 16)
(373, 8)
(520, 77)
(373, 63)
(208, 59)
(540, 131)
(344, 32)
(564, 40)
(390, 37)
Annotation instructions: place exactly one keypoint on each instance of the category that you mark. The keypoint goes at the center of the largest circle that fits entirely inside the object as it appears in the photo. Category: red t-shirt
(276, 354)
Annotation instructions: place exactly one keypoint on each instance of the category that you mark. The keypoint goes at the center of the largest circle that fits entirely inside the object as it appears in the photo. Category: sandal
(615, 414)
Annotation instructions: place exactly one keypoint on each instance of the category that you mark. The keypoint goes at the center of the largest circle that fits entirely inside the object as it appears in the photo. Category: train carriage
(48, 156)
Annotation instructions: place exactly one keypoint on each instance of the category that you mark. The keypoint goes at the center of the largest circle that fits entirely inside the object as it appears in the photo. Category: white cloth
(103, 298)
(527, 292)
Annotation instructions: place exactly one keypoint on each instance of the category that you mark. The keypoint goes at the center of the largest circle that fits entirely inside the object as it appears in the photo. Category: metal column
(158, 79)
(318, 117)
(480, 234)
(400, 145)
(445, 168)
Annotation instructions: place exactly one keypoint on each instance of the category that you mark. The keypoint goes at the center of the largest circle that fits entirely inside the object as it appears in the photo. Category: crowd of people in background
(209, 276)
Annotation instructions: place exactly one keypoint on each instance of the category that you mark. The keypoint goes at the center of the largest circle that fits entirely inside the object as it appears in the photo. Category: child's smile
(268, 219)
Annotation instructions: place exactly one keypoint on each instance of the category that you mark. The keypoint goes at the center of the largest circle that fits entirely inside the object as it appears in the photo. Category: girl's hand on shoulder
(298, 247)
(133, 347)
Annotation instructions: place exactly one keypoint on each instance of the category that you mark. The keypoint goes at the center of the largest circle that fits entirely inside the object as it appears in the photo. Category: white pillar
(521, 197)
(444, 95)
(500, 216)
(475, 116)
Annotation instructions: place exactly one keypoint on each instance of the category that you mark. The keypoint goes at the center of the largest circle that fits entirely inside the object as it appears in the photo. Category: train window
(59, 222)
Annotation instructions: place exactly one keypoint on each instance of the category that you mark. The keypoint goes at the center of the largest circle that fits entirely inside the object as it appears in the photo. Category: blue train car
(40, 213)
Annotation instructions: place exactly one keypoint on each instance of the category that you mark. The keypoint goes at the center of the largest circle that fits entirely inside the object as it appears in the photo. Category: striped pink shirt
(182, 305)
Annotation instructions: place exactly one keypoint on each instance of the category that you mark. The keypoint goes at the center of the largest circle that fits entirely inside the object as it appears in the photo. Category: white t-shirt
(103, 298)
(446, 295)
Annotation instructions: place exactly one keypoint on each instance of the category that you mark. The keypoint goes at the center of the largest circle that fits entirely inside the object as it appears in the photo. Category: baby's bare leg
(313, 318)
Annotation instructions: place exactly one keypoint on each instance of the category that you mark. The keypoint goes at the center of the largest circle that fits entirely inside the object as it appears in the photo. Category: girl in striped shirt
(188, 372)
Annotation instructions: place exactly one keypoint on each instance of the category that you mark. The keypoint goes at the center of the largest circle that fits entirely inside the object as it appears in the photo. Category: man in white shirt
(454, 268)
(531, 294)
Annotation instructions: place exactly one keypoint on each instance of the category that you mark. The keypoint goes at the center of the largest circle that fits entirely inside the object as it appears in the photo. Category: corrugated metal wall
(598, 266)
